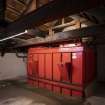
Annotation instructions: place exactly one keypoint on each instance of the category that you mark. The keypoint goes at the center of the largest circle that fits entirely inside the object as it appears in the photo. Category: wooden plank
(97, 31)
(51, 11)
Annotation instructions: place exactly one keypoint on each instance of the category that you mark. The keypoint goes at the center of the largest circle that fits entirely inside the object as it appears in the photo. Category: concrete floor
(22, 94)
(98, 97)
(16, 95)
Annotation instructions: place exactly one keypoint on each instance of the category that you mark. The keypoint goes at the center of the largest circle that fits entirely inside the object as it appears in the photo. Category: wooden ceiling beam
(2, 9)
(97, 32)
(31, 6)
(41, 3)
(54, 10)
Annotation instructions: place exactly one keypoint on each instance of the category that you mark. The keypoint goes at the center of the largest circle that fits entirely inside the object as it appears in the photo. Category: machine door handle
(65, 71)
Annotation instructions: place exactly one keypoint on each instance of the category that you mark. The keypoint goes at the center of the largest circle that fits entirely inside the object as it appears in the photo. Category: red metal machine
(67, 69)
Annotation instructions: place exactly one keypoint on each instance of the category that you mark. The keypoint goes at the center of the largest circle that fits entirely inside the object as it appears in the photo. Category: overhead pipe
(13, 36)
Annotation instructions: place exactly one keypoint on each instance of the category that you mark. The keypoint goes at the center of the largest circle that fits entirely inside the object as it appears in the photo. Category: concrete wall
(101, 63)
(11, 66)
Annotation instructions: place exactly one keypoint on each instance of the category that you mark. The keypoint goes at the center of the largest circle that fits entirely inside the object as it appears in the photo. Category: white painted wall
(12, 66)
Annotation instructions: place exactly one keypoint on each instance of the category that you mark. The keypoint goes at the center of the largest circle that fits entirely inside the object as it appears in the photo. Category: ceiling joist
(51, 11)
(97, 32)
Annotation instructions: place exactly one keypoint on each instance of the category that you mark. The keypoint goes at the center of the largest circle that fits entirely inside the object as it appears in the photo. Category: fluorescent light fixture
(13, 36)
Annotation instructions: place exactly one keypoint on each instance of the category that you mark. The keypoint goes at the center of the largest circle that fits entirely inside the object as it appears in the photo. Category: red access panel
(56, 71)
(41, 65)
(56, 62)
(77, 70)
(66, 71)
(35, 65)
(48, 66)
(48, 70)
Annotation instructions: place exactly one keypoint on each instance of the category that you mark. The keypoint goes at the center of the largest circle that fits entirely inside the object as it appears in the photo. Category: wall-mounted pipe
(20, 56)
